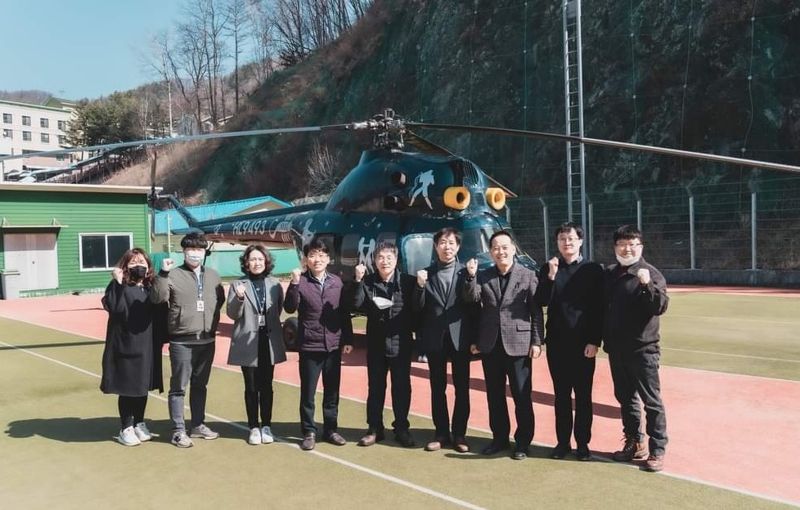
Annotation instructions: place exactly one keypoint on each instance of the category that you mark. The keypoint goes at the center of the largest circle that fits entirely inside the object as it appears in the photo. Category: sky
(80, 48)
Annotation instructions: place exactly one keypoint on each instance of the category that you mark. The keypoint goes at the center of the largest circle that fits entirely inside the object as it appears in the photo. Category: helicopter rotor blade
(609, 143)
(425, 145)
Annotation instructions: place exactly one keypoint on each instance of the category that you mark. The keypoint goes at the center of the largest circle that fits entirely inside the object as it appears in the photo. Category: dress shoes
(404, 439)
(519, 454)
(654, 463)
(494, 448)
(437, 444)
(583, 453)
(335, 438)
(560, 451)
(371, 437)
(460, 445)
(309, 441)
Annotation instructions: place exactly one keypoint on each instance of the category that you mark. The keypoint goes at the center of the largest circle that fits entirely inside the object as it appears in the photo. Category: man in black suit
(509, 336)
(444, 335)
(572, 289)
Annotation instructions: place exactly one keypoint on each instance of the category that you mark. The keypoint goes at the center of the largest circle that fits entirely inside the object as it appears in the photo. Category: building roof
(75, 188)
(216, 210)
(32, 105)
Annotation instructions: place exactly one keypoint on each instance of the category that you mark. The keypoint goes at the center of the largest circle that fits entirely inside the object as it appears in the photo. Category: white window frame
(44, 122)
(26, 120)
(27, 136)
(106, 234)
(62, 125)
(8, 118)
(8, 133)
(45, 137)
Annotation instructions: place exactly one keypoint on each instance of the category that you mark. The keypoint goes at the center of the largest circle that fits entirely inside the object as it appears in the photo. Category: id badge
(262, 321)
(201, 306)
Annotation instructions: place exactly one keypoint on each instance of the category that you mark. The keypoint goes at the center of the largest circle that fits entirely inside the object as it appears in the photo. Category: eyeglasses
(630, 246)
(568, 239)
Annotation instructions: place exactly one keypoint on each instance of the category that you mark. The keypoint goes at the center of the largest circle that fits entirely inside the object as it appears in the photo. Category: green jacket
(179, 287)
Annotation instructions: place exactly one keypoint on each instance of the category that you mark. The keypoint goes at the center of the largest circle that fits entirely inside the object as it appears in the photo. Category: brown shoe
(460, 445)
(335, 438)
(309, 441)
(371, 437)
(654, 463)
(633, 450)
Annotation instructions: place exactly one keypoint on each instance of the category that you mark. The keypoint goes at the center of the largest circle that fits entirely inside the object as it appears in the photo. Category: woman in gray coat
(254, 304)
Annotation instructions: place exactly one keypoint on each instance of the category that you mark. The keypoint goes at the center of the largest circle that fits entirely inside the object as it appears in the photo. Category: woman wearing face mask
(255, 303)
(131, 357)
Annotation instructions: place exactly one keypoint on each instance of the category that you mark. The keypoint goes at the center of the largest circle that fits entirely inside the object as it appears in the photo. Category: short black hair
(269, 265)
(447, 231)
(194, 240)
(385, 246)
(564, 228)
(628, 232)
(316, 244)
(500, 233)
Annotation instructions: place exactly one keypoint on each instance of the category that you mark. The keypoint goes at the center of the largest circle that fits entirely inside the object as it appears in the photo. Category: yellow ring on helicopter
(496, 198)
(457, 197)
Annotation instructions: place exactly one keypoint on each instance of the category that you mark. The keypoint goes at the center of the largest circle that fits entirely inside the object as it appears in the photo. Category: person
(255, 304)
(509, 337)
(132, 353)
(195, 297)
(324, 331)
(572, 289)
(386, 298)
(445, 334)
(635, 297)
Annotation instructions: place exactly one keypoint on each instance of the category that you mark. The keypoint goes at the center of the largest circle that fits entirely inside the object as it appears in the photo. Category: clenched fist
(644, 276)
(422, 277)
(238, 288)
(296, 276)
(167, 264)
(360, 271)
(472, 267)
(552, 266)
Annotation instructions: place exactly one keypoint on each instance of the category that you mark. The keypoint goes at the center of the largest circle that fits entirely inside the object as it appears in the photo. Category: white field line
(745, 356)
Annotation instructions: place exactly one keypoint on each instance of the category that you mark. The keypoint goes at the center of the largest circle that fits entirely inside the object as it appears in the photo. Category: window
(103, 251)
(62, 125)
(45, 138)
(26, 120)
(7, 133)
(26, 136)
(45, 123)
(62, 140)
(7, 118)
(417, 252)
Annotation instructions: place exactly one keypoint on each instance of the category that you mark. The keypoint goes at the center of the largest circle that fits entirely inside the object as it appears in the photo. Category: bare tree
(263, 42)
(210, 22)
(238, 25)
(190, 58)
(322, 170)
(291, 26)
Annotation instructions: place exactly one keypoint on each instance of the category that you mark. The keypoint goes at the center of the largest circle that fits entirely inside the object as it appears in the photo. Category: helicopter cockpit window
(350, 249)
(417, 252)
(473, 242)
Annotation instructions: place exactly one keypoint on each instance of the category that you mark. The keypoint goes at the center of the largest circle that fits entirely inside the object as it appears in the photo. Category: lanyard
(200, 278)
(261, 304)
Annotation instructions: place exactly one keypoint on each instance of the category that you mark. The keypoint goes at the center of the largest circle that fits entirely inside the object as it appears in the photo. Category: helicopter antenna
(387, 129)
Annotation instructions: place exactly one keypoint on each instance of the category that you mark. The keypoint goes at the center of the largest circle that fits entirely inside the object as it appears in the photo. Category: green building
(62, 238)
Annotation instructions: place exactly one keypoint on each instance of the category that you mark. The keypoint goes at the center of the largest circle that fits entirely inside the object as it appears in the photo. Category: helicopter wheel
(289, 331)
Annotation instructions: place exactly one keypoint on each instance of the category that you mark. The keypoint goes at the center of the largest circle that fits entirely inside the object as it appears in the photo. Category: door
(35, 257)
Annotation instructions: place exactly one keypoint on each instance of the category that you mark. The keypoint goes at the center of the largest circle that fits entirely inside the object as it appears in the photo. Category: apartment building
(27, 128)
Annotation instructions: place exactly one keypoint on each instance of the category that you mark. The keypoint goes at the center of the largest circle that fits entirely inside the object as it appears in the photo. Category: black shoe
(560, 451)
(403, 437)
(519, 454)
(494, 448)
(583, 453)
(309, 441)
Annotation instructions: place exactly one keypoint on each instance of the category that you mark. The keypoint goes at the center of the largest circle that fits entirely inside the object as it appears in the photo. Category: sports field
(731, 378)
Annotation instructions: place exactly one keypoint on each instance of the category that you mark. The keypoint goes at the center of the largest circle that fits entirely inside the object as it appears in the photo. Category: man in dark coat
(386, 297)
(635, 297)
(445, 334)
(572, 289)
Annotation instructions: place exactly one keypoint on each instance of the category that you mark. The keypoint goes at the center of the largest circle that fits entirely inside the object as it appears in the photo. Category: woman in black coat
(132, 354)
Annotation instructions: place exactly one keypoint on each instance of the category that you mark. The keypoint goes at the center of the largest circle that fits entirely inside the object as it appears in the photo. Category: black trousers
(571, 371)
(312, 364)
(131, 410)
(497, 367)
(437, 367)
(258, 386)
(636, 382)
(378, 366)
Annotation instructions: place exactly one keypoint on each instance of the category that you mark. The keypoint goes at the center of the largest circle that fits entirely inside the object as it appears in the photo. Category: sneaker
(142, 432)
(128, 437)
(181, 439)
(560, 451)
(203, 431)
(266, 435)
(583, 452)
(422, 358)
(654, 463)
(309, 441)
(633, 450)
(255, 436)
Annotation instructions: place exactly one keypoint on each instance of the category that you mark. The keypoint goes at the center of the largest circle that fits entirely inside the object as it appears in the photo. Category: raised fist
(472, 267)
(167, 264)
(552, 266)
(116, 274)
(422, 277)
(360, 271)
(644, 276)
(238, 288)
(296, 276)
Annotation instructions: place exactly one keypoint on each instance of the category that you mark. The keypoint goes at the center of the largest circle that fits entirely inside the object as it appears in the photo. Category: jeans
(191, 364)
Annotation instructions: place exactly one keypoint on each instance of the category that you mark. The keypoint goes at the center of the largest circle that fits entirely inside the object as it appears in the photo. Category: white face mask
(629, 260)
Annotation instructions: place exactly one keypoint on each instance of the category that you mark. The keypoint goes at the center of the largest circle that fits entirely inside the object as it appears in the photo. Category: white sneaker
(128, 437)
(203, 431)
(181, 439)
(142, 432)
(255, 436)
(266, 435)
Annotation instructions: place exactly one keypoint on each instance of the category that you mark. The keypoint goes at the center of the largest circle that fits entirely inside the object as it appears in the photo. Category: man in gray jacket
(195, 296)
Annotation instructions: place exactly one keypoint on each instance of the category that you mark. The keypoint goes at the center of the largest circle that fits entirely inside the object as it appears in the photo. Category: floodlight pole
(573, 106)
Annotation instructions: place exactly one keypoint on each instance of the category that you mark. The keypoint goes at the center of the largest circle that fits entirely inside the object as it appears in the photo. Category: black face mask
(137, 273)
